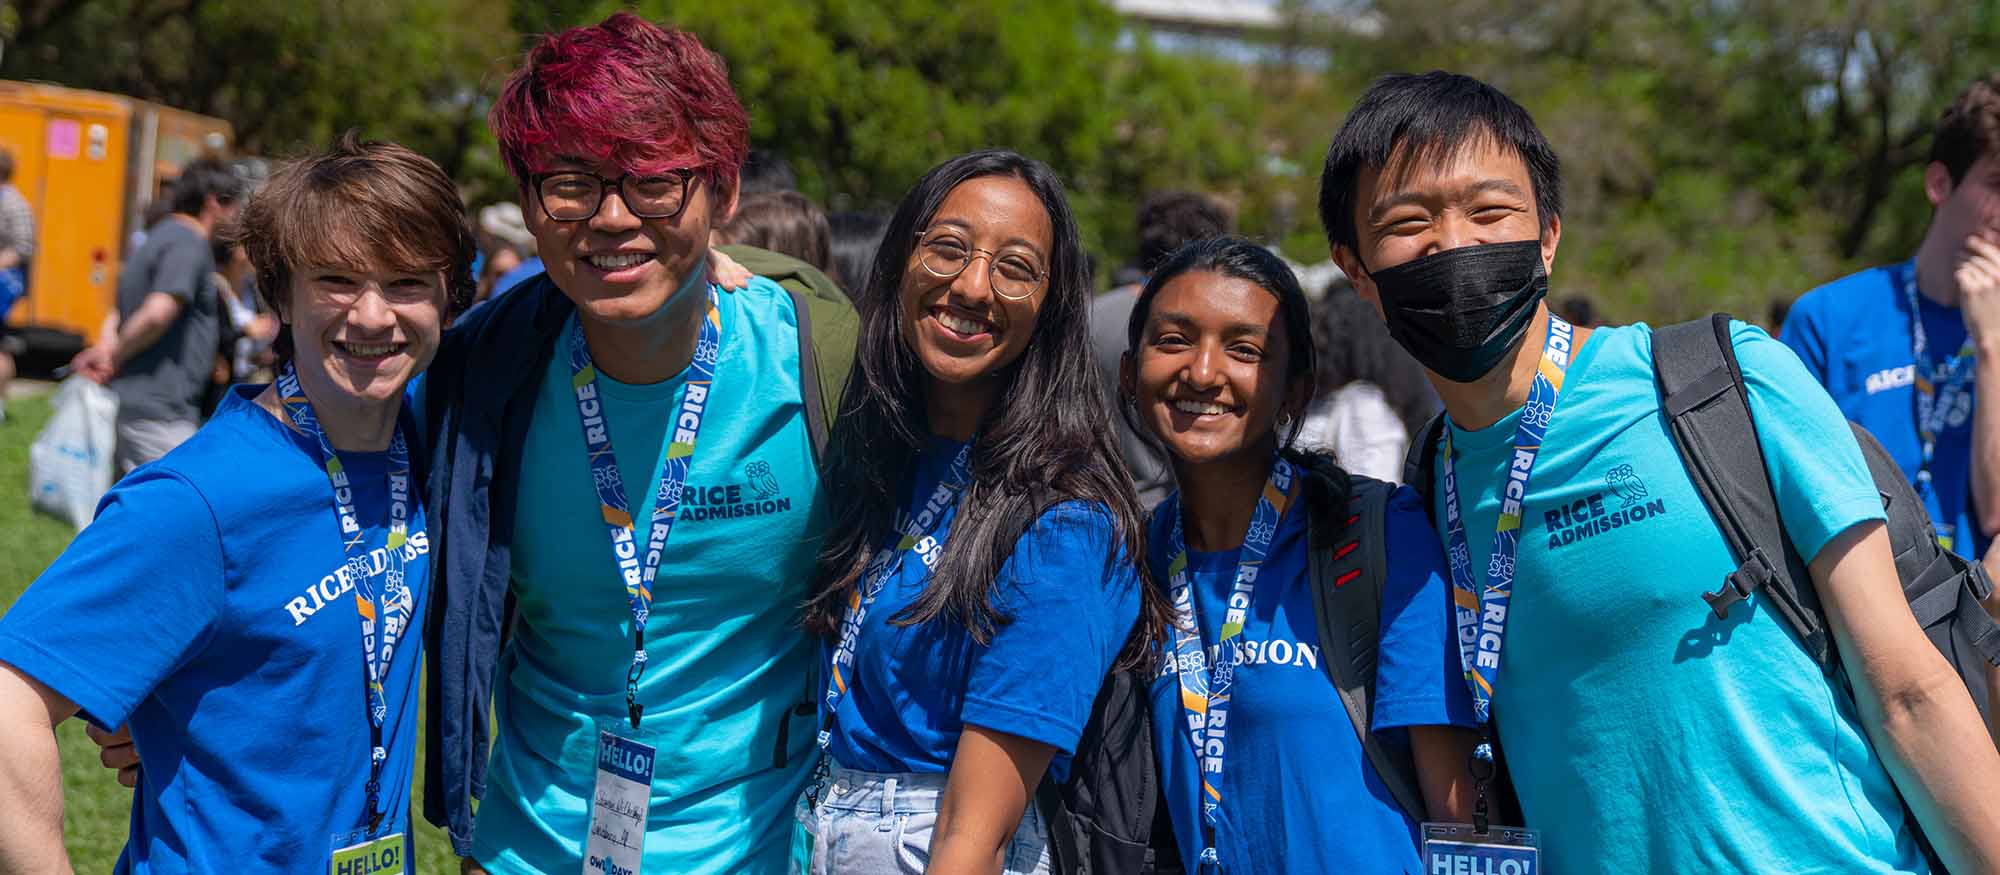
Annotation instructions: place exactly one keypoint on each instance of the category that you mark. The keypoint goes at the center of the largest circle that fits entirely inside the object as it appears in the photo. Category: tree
(287, 74)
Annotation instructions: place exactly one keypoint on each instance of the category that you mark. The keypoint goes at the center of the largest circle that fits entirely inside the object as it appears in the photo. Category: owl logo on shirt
(761, 479)
(1625, 483)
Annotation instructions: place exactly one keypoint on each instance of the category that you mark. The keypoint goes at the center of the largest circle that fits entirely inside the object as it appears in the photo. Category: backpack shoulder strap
(1708, 413)
(1420, 459)
(828, 328)
(1347, 580)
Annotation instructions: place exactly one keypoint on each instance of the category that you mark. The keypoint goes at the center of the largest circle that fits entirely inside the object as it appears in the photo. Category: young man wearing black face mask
(1643, 734)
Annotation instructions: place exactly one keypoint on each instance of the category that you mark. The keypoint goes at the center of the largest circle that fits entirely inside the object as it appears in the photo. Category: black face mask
(1460, 311)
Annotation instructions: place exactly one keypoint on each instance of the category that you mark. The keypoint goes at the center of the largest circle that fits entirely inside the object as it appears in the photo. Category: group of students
(739, 579)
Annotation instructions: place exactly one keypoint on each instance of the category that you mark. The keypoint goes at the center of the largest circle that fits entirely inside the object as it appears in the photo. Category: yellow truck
(88, 163)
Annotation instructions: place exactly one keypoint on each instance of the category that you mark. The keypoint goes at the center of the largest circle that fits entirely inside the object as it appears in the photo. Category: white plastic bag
(70, 462)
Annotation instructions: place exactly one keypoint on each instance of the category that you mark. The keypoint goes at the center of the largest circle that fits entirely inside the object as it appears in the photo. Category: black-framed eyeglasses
(574, 196)
(1012, 275)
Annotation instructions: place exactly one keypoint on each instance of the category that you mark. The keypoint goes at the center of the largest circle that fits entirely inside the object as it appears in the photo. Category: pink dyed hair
(624, 92)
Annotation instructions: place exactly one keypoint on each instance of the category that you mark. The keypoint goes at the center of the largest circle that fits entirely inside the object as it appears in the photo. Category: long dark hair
(1042, 442)
(1327, 484)
(1354, 346)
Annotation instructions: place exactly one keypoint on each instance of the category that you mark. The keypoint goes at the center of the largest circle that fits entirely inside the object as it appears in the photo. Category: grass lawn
(95, 806)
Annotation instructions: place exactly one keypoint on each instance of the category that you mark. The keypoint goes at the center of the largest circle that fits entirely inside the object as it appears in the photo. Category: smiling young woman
(978, 582)
(1219, 370)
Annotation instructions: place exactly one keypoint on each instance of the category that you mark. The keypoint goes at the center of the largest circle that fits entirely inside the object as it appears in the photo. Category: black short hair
(1426, 119)
(765, 171)
(1172, 219)
(202, 179)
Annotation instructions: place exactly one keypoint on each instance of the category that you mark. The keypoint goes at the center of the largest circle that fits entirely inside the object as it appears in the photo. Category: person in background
(17, 249)
(157, 348)
(253, 327)
(1643, 732)
(1911, 350)
(1221, 361)
(1167, 221)
(1370, 395)
(765, 172)
(855, 237)
(977, 582)
(1776, 314)
(509, 248)
(217, 600)
(782, 221)
(1578, 310)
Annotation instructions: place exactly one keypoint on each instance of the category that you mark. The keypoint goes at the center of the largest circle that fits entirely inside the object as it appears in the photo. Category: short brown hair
(356, 204)
(783, 221)
(1969, 128)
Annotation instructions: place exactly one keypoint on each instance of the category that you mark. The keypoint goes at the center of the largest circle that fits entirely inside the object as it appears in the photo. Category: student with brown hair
(251, 602)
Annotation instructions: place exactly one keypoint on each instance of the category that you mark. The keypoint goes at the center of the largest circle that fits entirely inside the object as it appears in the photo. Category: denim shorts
(881, 822)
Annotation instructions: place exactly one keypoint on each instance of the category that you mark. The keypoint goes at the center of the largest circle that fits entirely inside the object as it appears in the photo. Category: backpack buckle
(1755, 572)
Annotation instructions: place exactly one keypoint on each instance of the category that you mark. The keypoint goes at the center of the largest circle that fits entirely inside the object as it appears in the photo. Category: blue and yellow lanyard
(1206, 689)
(637, 569)
(876, 577)
(1940, 387)
(1482, 617)
(390, 606)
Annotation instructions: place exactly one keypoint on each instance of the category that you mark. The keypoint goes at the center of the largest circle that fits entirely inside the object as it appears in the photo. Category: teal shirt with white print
(726, 661)
(1643, 733)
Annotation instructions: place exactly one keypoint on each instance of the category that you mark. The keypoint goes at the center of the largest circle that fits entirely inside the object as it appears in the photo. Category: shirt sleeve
(1817, 473)
(182, 270)
(133, 597)
(1802, 332)
(1073, 596)
(1419, 678)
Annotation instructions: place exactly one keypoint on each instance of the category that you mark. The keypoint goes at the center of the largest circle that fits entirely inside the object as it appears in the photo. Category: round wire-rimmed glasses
(1012, 275)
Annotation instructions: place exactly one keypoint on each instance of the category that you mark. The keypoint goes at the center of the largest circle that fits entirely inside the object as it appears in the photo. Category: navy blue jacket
(479, 396)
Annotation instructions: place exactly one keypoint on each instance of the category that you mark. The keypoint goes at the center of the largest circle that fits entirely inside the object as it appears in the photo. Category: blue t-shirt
(1643, 733)
(1854, 335)
(1071, 597)
(522, 272)
(210, 605)
(1298, 792)
(726, 660)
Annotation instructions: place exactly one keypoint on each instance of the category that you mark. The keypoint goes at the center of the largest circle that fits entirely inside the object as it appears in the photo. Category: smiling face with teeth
(362, 332)
(1209, 373)
(615, 266)
(964, 334)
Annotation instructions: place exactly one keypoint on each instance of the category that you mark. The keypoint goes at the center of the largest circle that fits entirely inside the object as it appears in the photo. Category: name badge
(617, 840)
(357, 854)
(1456, 849)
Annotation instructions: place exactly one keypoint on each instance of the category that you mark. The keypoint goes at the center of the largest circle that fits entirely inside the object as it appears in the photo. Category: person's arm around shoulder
(1419, 679)
(31, 835)
(1915, 707)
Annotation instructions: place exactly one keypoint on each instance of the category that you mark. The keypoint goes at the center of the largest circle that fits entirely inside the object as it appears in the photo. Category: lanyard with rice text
(1940, 387)
(1481, 617)
(636, 568)
(391, 605)
(1206, 689)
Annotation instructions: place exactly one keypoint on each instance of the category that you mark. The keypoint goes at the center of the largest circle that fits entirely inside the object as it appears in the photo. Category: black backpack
(1110, 817)
(1707, 407)
(1704, 399)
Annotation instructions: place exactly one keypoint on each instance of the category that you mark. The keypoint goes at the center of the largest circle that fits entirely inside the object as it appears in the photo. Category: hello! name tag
(1457, 849)
(617, 840)
(355, 854)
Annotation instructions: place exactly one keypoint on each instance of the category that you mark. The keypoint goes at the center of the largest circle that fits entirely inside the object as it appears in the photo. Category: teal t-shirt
(1643, 733)
(725, 657)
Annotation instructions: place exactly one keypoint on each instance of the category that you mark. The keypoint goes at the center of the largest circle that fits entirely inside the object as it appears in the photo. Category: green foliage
(288, 74)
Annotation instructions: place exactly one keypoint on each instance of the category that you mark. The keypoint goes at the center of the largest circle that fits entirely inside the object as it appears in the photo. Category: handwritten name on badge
(617, 839)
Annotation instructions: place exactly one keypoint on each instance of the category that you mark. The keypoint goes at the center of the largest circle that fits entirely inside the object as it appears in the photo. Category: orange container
(88, 162)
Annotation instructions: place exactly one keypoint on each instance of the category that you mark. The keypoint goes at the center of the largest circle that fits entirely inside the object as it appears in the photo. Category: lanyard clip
(632, 708)
(1483, 770)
